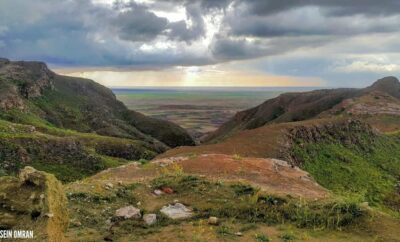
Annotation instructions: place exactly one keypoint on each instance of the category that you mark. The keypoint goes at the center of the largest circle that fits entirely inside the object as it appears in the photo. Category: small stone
(150, 219)
(177, 211)
(213, 221)
(167, 190)
(138, 203)
(158, 192)
(128, 212)
(109, 185)
(238, 234)
(49, 215)
(176, 201)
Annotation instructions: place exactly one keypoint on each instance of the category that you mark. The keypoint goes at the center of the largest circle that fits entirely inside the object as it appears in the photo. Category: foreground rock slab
(177, 211)
(150, 219)
(128, 212)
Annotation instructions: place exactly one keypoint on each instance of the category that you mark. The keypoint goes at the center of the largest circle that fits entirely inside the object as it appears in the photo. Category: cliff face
(291, 107)
(78, 104)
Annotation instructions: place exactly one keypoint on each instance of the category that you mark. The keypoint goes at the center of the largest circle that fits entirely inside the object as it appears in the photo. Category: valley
(198, 110)
(80, 163)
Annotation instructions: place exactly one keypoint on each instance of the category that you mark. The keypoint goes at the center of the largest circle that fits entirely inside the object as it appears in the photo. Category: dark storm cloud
(181, 31)
(228, 48)
(337, 7)
(139, 24)
(81, 33)
(272, 20)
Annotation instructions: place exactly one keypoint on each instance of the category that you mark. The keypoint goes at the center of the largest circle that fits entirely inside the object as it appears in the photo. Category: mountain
(380, 98)
(271, 178)
(348, 140)
(70, 121)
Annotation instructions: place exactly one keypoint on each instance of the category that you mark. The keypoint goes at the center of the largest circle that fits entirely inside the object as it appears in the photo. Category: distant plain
(199, 110)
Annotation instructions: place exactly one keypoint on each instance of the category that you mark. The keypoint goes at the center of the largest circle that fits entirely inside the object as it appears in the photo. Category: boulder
(177, 211)
(150, 219)
(128, 212)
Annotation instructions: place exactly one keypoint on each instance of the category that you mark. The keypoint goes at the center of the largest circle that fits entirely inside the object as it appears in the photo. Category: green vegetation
(70, 155)
(72, 127)
(252, 205)
(208, 198)
(261, 238)
(287, 237)
(367, 170)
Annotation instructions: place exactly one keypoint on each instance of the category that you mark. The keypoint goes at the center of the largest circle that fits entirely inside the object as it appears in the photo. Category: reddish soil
(274, 176)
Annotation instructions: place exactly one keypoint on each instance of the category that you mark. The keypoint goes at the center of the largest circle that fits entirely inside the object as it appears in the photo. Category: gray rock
(128, 212)
(177, 211)
(150, 219)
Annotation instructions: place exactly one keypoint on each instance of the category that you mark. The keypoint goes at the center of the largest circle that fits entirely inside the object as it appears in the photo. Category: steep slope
(78, 104)
(72, 127)
(291, 107)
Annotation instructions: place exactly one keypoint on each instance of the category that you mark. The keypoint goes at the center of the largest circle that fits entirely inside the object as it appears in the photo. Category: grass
(261, 238)
(366, 173)
(251, 205)
(246, 207)
(287, 236)
(70, 155)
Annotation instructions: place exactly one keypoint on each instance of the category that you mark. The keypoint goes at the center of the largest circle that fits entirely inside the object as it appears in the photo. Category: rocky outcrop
(34, 201)
(31, 78)
(348, 132)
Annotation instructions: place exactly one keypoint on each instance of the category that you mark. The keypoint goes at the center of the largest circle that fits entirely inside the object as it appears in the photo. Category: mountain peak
(387, 81)
(389, 84)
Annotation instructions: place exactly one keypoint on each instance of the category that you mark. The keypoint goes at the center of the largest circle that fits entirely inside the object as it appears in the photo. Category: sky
(333, 43)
